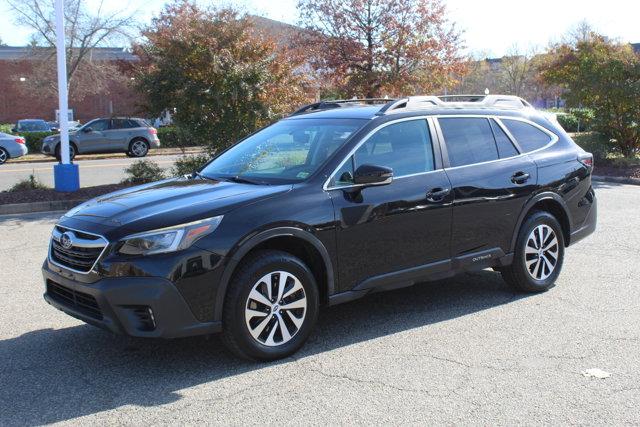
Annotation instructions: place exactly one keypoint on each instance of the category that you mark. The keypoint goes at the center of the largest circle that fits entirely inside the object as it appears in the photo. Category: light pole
(66, 174)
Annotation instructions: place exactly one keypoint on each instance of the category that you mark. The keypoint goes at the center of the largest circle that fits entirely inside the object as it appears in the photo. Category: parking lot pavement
(464, 350)
(92, 172)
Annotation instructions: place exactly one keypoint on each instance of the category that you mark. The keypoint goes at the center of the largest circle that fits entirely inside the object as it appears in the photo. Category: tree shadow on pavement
(55, 375)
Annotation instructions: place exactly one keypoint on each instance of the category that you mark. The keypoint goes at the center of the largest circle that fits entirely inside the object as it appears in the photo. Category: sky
(490, 27)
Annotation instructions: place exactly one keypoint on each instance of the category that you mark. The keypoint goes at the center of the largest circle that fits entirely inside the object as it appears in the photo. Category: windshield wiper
(242, 180)
(201, 176)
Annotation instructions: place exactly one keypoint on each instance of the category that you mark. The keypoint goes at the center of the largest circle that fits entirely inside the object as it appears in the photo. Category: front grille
(83, 253)
(79, 301)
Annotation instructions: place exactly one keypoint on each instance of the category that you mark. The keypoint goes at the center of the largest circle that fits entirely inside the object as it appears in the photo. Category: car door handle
(437, 194)
(520, 177)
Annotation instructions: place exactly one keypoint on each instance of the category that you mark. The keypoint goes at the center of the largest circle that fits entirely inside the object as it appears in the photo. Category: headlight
(168, 239)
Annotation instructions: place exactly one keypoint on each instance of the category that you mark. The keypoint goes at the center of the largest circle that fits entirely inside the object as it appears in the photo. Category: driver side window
(99, 125)
(405, 147)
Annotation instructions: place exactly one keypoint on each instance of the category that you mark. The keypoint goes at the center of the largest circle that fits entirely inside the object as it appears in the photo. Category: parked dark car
(326, 206)
(31, 125)
(119, 134)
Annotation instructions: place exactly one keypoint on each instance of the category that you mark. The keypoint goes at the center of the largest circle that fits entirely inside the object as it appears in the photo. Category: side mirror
(14, 130)
(87, 130)
(373, 175)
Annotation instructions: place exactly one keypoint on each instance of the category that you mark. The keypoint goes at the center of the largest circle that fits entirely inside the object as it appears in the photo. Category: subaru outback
(339, 200)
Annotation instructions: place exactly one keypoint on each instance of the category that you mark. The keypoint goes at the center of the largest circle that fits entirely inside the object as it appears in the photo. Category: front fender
(245, 246)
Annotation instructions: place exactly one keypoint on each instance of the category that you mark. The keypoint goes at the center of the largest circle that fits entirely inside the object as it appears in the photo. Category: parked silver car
(11, 146)
(128, 135)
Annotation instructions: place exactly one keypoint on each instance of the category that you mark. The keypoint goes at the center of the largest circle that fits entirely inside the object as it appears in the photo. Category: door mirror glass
(373, 175)
(87, 130)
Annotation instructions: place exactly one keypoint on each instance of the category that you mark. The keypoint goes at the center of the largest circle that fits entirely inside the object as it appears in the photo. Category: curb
(53, 205)
(616, 179)
(80, 157)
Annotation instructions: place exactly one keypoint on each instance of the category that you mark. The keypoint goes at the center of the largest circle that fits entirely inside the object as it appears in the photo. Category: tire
(246, 331)
(138, 147)
(534, 269)
(72, 152)
(4, 155)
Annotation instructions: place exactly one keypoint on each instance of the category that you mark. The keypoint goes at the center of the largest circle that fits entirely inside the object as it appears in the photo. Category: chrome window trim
(433, 122)
(79, 231)
(326, 187)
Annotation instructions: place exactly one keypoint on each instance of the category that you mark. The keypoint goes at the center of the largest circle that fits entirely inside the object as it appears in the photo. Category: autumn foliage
(603, 75)
(222, 76)
(380, 47)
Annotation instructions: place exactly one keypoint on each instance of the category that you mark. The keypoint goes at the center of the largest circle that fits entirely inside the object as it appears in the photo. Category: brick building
(18, 100)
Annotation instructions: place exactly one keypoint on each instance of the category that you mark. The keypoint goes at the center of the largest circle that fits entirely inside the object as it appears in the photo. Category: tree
(597, 73)
(85, 30)
(381, 47)
(223, 78)
(2, 43)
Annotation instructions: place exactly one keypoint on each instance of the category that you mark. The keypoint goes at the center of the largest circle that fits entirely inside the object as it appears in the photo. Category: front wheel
(271, 306)
(72, 152)
(538, 255)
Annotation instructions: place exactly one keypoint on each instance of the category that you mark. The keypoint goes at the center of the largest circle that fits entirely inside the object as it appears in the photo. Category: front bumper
(122, 305)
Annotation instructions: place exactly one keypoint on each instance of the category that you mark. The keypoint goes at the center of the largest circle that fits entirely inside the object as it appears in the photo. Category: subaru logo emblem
(66, 240)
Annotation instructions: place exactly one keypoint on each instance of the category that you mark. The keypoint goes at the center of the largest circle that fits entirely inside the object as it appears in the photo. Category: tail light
(586, 159)
(20, 140)
(153, 131)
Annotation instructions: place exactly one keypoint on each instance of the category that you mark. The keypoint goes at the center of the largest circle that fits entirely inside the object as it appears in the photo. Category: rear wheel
(138, 148)
(271, 306)
(4, 155)
(538, 256)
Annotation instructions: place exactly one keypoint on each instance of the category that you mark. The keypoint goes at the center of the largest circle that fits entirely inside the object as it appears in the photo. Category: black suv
(334, 202)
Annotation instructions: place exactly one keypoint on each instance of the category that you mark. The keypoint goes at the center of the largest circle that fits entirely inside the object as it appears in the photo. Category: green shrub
(596, 144)
(143, 171)
(31, 183)
(569, 122)
(176, 137)
(186, 165)
(6, 127)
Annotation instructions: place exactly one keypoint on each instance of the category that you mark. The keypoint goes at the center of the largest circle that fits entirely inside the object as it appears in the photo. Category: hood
(166, 203)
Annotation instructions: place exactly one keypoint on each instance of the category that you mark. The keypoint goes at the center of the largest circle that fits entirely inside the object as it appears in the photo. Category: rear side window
(528, 136)
(469, 140)
(505, 146)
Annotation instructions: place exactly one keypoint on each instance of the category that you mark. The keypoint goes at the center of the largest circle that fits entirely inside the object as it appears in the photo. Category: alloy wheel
(541, 252)
(3, 156)
(276, 308)
(139, 148)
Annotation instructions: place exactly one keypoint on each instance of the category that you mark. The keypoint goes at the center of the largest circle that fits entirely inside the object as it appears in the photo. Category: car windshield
(286, 152)
(33, 126)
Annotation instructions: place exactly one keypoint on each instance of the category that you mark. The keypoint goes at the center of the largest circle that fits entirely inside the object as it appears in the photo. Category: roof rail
(337, 103)
(455, 101)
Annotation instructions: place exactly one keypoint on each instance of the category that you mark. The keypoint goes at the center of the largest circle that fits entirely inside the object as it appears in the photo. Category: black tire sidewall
(6, 153)
(522, 274)
(234, 310)
(72, 154)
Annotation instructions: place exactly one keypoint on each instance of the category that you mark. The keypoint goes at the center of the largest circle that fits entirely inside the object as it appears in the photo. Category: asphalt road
(92, 172)
(464, 350)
